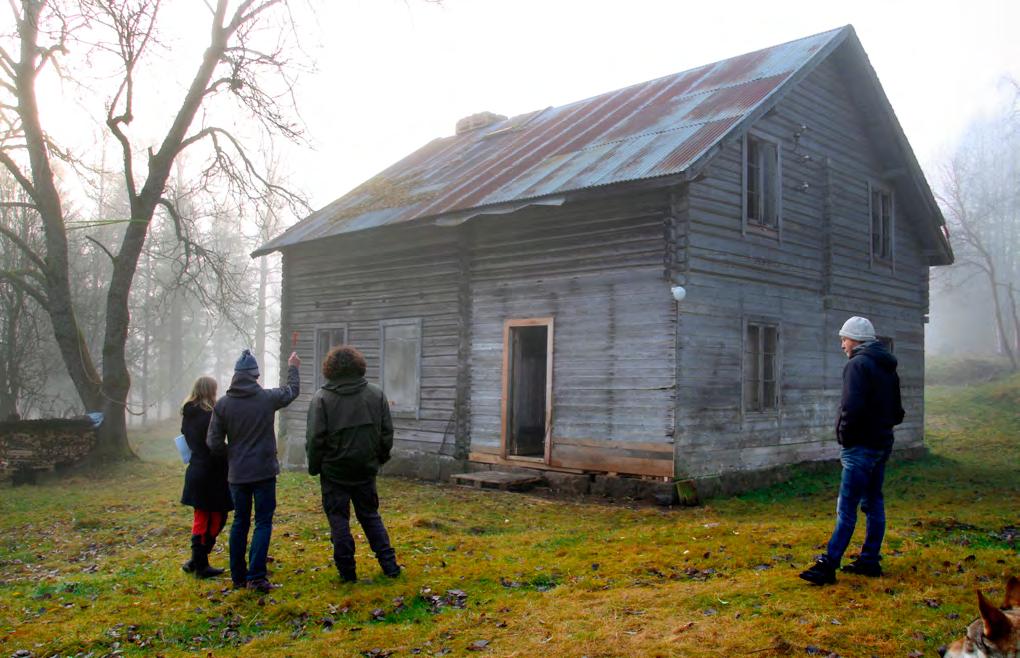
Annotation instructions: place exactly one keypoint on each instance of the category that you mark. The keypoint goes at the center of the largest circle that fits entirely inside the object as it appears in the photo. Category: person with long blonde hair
(205, 480)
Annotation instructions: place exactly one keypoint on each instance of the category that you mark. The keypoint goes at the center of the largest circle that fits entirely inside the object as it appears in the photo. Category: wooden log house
(514, 287)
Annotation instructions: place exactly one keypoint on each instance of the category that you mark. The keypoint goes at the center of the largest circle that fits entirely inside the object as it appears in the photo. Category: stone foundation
(439, 468)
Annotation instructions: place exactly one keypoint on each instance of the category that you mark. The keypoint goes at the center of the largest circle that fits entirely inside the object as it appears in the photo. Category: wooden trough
(30, 446)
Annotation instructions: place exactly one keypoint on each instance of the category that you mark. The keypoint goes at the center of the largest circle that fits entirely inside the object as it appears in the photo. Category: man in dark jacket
(349, 436)
(242, 427)
(869, 409)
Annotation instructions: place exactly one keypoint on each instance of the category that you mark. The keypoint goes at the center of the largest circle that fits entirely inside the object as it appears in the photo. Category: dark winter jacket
(242, 426)
(870, 405)
(349, 432)
(205, 480)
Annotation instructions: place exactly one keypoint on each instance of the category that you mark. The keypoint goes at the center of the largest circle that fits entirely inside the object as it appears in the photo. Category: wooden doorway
(526, 403)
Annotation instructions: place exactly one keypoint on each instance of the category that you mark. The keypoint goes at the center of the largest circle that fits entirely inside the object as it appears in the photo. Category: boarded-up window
(326, 338)
(762, 183)
(881, 224)
(401, 364)
(761, 367)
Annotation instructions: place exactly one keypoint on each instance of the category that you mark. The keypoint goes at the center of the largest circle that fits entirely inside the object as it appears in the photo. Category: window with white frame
(881, 209)
(762, 183)
(400, 364)
(326, 338)
(761, 367)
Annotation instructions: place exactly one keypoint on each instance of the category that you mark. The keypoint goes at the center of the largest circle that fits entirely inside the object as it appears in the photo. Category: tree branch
(99, 244)
(24, 247)
(248, 169)
(23, 180)
(15, 278)
(18, 204)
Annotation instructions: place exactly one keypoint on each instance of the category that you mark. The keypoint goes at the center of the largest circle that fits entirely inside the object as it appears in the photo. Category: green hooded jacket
(350, 432)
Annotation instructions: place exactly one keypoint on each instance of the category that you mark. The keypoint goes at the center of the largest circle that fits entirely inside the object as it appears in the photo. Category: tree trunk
(9, 388)
(1000, 325)
(146, 338)
(1016, 320)
(70, 341)
(260, 313)
(175, 350)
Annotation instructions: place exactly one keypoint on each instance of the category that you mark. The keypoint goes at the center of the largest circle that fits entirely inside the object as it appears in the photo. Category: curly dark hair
(343, 361)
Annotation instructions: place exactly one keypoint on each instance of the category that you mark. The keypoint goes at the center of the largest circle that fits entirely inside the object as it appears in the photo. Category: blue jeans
(861, 484)
(263, 493)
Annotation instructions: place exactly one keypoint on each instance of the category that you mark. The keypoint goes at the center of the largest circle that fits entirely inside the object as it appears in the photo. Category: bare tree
(25, 350)
(980, 193)
(18, 328)
(238, 67)
(268, 224)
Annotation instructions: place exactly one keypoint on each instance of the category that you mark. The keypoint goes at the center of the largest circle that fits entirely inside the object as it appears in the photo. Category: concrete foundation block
(570, 484)
(422, 465)
(615, 487)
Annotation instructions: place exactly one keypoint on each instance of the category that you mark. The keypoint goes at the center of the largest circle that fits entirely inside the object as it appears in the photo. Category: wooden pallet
(497, 480)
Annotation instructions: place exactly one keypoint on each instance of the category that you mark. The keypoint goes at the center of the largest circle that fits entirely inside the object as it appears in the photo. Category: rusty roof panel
(655, 128)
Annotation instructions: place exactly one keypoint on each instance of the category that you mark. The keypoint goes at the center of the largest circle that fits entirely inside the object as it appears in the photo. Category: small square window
(761, 367)
(762, 185)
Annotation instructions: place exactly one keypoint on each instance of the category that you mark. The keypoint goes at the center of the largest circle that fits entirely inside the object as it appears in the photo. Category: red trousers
(208, 525)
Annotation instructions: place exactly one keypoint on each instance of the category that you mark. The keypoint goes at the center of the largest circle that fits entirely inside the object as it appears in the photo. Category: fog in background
(377, 79)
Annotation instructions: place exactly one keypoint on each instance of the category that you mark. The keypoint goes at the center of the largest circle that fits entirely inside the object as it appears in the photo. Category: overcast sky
(393, 75)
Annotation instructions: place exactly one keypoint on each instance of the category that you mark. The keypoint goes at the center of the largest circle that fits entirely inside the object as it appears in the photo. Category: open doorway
(527, 388)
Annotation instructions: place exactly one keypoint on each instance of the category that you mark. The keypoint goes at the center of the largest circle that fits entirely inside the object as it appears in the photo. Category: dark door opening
(527, 390)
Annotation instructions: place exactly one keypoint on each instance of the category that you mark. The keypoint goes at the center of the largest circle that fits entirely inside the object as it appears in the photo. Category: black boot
(388, 562)
(204, 570)
(821, 572)
(196, 551)
(345, 566)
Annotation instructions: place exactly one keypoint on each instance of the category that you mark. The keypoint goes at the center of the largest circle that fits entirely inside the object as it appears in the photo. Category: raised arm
(286, 394)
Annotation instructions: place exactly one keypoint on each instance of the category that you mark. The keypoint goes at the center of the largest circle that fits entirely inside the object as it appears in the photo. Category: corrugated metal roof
(647, 130)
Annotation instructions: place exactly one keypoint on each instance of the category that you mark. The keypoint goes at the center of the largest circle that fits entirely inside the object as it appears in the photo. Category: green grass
(92, 564)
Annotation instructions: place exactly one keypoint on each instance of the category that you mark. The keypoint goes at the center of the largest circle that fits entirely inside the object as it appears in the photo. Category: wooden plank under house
(647, 282)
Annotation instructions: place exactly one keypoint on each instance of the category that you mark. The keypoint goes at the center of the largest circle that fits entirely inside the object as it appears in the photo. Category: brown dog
(996, 634)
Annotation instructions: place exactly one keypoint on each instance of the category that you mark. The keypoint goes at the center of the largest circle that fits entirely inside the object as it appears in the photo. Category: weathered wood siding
(596, 268)
(641, 384)
(360, 280)
(808, 280)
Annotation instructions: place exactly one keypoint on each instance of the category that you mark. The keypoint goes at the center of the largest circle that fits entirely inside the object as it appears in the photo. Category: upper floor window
(881, 223)
(401, 364)
(762, 184)
(761, 367)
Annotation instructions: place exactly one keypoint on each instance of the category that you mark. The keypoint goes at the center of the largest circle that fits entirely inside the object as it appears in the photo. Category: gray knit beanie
(858, 328)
